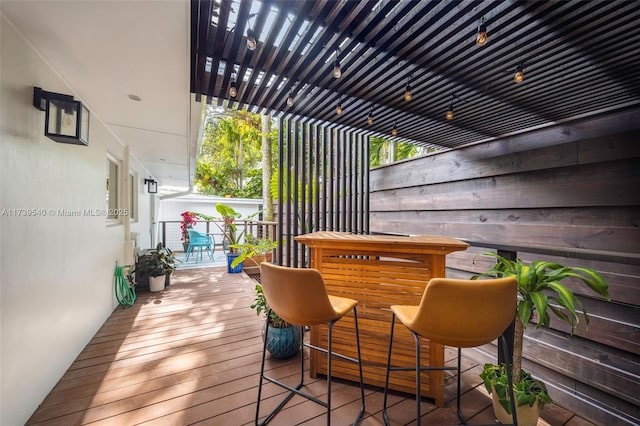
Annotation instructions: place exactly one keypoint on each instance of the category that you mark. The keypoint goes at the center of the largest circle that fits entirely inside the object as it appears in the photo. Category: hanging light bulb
(339, 108)
(68, 117)
(251, 40)
(337, 72)
(233, 90)
(290, 99)
(519, 75)
(394, 131)
(370, 117)
(449, 113)
(407, 92)
(482, 36)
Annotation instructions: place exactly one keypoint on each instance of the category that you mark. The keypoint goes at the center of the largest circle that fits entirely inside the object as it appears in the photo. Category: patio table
(379, 271)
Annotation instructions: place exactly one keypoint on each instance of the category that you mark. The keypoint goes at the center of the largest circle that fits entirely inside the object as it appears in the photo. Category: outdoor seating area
(191, 355)
(387, 144)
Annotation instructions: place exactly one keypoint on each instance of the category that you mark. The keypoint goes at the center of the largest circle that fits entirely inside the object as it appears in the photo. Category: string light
(251, 39)
(519, 75)
(370, 117)
(337, 72)
(394, 131)
(449, 113)
(407, 91)
(233, 91)
(290, 98)
(339, 107)
(482, 36)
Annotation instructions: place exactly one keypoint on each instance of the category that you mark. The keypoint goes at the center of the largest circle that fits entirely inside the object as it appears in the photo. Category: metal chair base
(419, 368)
(295, 390)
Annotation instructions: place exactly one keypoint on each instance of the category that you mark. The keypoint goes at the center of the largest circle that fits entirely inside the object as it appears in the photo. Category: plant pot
(527, 415)
(251, 265)
(185, 246)
(282, 342)
(230, 258)
(157, 283)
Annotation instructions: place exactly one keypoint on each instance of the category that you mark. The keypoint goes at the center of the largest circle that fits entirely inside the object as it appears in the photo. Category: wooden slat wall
(571, 186)
(324, 183)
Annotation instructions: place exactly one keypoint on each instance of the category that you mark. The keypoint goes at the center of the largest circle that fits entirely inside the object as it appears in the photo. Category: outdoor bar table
(379, 271)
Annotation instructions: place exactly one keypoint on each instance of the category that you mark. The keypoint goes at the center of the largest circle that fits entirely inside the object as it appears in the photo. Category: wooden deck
(191, 354)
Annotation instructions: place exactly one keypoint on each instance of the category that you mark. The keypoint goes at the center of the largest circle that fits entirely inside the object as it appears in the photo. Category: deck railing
(171, 236)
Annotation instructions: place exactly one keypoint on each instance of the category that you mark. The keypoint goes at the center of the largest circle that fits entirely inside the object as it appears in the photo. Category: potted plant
(252, 252)
(283, 339)
(156, 265)
(232, 235)
(539, 290)
(189, 220)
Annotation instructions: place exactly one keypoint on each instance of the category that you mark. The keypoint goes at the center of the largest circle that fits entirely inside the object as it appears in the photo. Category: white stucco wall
(56, 271)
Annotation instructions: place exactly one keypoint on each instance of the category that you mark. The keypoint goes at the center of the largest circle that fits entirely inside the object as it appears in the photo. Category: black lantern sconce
(66, 120)
(152, 186)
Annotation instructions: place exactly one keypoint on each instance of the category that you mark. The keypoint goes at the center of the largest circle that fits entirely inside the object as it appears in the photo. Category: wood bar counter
(379, 271)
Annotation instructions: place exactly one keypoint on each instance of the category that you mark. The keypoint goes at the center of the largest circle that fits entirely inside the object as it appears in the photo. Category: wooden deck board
(191, 355)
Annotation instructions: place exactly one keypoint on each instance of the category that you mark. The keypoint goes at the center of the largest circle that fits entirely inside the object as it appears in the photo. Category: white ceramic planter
(527, 416)
(156, 283)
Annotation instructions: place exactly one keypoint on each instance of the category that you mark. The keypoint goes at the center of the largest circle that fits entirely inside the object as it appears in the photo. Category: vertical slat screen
(323, 183)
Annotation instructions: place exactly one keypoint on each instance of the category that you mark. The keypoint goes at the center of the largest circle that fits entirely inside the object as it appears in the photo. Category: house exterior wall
(56, 261)
(571, 188)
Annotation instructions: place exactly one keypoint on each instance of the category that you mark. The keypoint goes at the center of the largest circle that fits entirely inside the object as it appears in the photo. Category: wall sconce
(66, 120)
(152, 186)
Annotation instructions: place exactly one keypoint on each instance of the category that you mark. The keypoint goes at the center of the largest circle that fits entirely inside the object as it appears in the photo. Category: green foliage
(379, 151)
(229, 227)
(526, 391)
(252, 246)
(158, 261)
(539, 284)
(230, 156)
(261, 307)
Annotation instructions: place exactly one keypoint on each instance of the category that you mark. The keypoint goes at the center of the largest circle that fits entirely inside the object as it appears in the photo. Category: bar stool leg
(416, 338)
(386, 381)
(362, 408)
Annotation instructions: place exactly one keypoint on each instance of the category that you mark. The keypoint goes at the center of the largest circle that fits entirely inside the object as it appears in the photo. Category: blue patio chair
(201, 241)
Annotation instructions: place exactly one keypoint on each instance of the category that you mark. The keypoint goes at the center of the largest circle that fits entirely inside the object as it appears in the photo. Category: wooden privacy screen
(378, 271)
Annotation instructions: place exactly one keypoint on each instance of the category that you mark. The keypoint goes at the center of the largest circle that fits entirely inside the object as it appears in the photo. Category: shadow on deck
(191, 354)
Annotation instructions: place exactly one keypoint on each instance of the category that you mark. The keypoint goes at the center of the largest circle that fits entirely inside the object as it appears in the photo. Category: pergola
(578, 59)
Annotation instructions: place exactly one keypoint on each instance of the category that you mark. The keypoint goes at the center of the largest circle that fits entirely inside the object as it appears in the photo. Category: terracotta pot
(527, 416)
(252, 264)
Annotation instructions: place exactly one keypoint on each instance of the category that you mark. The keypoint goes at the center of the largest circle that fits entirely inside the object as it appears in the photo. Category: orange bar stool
(300, 297)
(458, 313)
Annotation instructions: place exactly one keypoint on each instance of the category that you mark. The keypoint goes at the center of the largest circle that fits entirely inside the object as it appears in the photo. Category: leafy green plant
(261, 307)
(526, 390)
(159, 261)
(540, 292)
(252, 247)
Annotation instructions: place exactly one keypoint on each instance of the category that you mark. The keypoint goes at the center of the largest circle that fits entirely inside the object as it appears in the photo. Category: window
(112, 189)
(133, 197)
